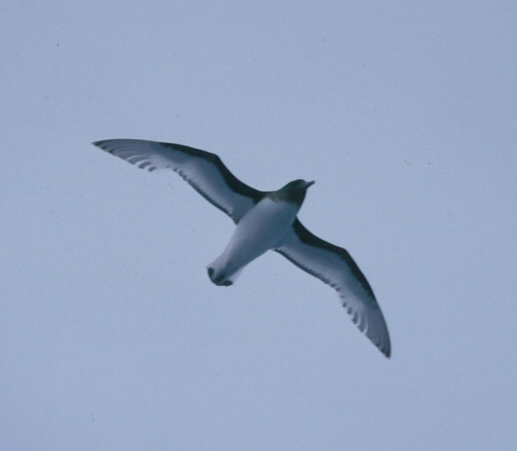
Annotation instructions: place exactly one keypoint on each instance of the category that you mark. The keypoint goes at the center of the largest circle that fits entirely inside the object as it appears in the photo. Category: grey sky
(112, 336)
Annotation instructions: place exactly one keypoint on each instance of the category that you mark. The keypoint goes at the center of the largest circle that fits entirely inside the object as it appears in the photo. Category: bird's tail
(222, 274)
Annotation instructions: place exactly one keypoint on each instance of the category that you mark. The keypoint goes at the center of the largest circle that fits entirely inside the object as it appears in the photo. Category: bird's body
(263, 228)
(264, 221)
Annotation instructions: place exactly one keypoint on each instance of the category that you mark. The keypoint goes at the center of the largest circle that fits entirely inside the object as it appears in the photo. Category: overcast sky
(112, 337)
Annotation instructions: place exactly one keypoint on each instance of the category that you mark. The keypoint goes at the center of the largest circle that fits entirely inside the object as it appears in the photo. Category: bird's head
(294, 191)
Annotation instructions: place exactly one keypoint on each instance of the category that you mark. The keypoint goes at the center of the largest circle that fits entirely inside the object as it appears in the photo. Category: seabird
(265, 220)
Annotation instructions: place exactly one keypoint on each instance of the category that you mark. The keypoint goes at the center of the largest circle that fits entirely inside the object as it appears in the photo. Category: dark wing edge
(233, 182)
(370, 320)
(152, 155)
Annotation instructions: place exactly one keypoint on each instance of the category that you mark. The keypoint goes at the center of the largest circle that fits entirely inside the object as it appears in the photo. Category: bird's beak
(309, 184)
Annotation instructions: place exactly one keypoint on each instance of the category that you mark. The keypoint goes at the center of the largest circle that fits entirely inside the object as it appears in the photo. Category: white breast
(262, 228)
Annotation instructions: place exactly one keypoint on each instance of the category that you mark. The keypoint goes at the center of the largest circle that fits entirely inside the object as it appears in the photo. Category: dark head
(293, 192)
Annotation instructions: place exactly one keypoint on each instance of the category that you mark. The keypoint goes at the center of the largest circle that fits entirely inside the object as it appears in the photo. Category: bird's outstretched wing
(334, 266)
(204, 171)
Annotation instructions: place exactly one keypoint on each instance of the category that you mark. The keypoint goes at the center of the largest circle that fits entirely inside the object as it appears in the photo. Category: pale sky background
(112, 337)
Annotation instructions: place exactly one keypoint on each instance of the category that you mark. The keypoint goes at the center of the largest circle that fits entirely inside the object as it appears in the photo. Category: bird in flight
(265, 220)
